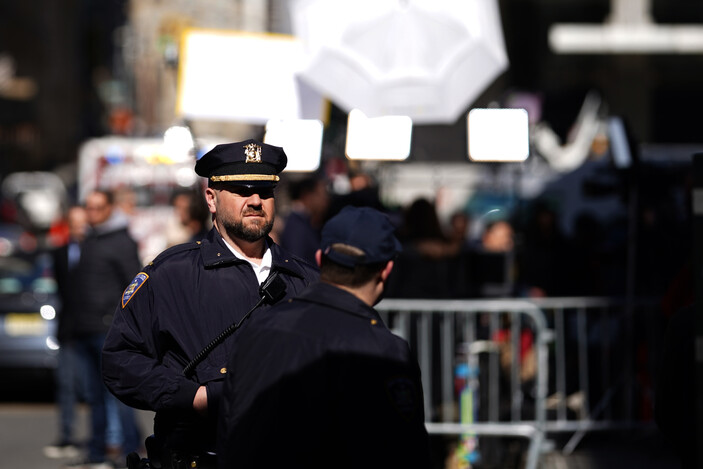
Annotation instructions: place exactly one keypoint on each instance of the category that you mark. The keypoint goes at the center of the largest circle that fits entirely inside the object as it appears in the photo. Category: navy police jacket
(172, 309)
(319, 381)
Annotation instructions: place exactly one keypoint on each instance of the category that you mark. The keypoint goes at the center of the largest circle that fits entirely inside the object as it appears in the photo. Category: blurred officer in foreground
(319, 381)
(192, 292)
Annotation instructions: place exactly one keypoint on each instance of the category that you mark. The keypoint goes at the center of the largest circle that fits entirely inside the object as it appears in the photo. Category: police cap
(249, 163)
(363, 228)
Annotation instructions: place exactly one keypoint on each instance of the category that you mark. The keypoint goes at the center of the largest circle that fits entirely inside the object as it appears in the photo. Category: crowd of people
(513, 252)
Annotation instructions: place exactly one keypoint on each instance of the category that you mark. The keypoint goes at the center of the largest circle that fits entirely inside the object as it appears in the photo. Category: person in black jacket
(190, 294)
(65, 261)
(109, 259)
(319, 381)
(309, 204)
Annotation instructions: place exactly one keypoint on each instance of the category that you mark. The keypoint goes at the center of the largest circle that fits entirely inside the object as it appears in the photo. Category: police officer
(192, 292)
(319, 381)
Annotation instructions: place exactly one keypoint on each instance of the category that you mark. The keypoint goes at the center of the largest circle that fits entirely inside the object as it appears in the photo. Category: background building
(80, 69)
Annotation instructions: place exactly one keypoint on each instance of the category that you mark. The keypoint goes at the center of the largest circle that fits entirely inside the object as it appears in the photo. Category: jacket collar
(215, 253)
(116, 222)
(331, 296)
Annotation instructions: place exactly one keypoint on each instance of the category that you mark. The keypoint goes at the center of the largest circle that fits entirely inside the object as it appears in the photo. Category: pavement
(25, 428)
(641, 448)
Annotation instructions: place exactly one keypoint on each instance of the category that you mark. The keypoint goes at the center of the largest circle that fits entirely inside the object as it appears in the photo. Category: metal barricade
(556, 365)
(436, 330)
(605, 357)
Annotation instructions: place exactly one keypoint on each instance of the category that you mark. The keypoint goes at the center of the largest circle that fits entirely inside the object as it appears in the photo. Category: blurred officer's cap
(363, 228)
(249, 163)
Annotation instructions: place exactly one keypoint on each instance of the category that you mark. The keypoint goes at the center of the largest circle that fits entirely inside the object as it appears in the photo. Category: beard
(251, 231)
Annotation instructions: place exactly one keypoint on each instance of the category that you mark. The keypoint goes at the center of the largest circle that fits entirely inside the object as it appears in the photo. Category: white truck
(146, 172)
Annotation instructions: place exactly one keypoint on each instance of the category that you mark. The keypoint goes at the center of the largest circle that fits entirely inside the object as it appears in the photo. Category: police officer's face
(244, 213)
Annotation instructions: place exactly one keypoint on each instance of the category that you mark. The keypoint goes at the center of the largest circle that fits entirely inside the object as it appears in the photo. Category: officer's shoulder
(297, 264)
(310, 271)
(305, 264)
(175, 252)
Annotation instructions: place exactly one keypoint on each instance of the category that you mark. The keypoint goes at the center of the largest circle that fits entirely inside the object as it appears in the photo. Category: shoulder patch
(133, 287)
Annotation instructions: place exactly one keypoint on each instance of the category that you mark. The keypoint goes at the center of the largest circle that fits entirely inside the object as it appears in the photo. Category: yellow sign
(21, 324)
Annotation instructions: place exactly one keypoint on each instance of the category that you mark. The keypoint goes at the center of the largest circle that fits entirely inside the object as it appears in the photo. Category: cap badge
(253, 153)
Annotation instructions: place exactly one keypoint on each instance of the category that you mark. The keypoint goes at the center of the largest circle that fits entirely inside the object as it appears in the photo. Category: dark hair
(355, 276)
(108, 194)
(305, 186)
(421, 222)
(197, 208)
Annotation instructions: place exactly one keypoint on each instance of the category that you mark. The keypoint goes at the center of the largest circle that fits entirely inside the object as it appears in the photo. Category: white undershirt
(261, 271)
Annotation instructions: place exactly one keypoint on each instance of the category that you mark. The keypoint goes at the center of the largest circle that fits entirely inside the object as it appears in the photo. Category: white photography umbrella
(426, 59)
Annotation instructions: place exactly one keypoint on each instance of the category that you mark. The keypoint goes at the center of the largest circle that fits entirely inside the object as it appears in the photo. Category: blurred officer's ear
(318, 257)
(387, 271)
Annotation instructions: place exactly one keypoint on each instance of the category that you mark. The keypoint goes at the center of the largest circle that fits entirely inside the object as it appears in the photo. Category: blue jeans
(122, 426)
(67, 390)
(113, 436)
(89, 351)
